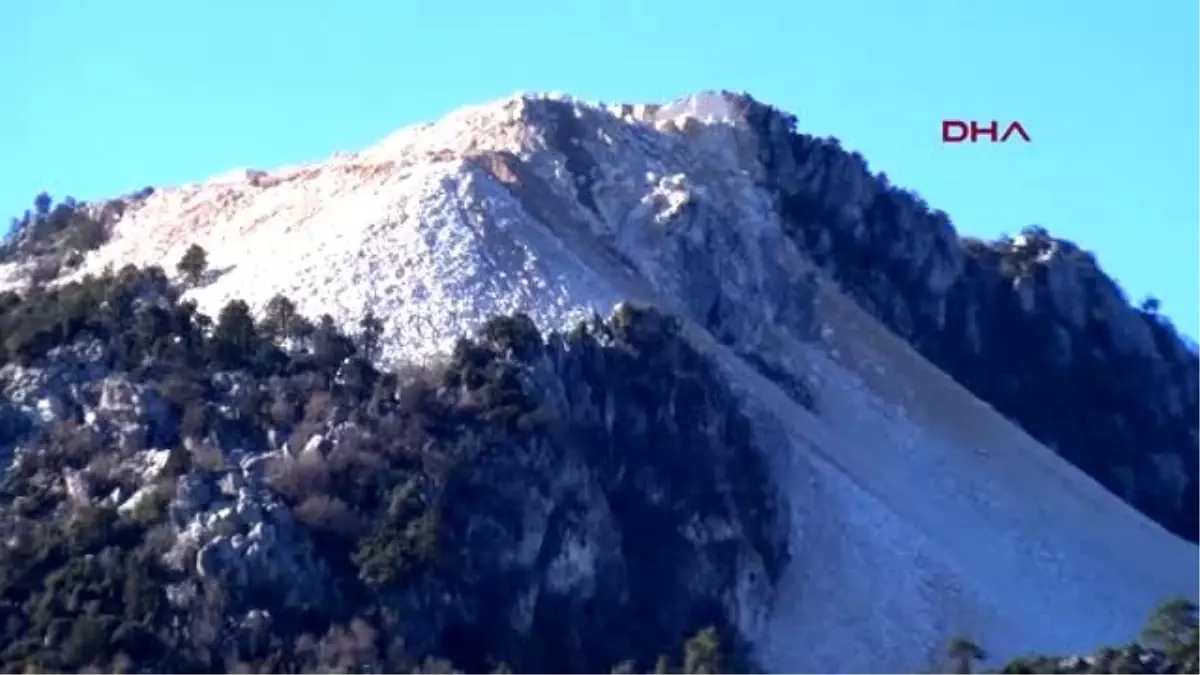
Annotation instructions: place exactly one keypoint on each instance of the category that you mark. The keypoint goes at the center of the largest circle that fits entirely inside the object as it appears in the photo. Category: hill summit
(632, 370)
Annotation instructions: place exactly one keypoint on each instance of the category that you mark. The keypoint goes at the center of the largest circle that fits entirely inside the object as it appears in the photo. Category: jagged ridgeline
(53, 238)
(1031, 325)
(207, 495)
(260, 492)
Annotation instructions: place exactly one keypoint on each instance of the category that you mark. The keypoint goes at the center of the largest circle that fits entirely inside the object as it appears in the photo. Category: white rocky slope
(918, 512)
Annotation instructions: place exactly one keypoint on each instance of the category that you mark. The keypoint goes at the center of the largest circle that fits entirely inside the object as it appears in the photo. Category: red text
(957, 131)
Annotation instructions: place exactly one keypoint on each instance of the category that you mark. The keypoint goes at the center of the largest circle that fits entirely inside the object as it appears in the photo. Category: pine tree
(193, 263)
(234, 335)
(371, 335)
(42, 203)
(278, 317)
(330, 347)
(1172, 630)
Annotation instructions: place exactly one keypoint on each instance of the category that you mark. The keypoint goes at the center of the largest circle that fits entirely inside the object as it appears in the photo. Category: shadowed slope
(917, 511)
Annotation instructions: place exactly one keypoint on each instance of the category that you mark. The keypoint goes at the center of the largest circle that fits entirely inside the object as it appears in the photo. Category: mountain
(718, 373)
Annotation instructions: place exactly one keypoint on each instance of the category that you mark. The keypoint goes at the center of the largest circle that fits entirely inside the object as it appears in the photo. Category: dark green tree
(1172, 630)
(234, 337)
(193, 263)
(278, 315)
(42, 203)
(370, 336)
(330, 346)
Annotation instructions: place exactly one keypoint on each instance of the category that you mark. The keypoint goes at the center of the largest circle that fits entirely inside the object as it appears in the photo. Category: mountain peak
(487, 196)
(904, 385)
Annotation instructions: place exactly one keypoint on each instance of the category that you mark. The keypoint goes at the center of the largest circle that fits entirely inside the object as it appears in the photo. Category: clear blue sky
(104, 96)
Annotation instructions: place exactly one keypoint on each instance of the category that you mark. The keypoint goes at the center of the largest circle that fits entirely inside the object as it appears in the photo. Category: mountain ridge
(712, 208)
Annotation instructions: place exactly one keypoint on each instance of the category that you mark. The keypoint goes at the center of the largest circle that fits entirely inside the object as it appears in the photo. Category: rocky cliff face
(1032, 325)
(527, 498)
(770, 445)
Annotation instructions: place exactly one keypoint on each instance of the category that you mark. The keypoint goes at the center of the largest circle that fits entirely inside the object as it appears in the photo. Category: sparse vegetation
(391, 513)
(54, 235)
(193, 264)
(1029, 324)
(390, 478)
(1168, 645)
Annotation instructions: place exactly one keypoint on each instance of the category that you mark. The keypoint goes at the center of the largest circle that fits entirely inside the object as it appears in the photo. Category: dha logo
(957, 131)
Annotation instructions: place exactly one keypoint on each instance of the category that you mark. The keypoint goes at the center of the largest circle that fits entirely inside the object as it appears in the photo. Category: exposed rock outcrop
(533, 494)
(773, 460)
(1031, 325)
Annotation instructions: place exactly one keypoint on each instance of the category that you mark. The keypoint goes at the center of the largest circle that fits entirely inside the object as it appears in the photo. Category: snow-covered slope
(918, 512)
